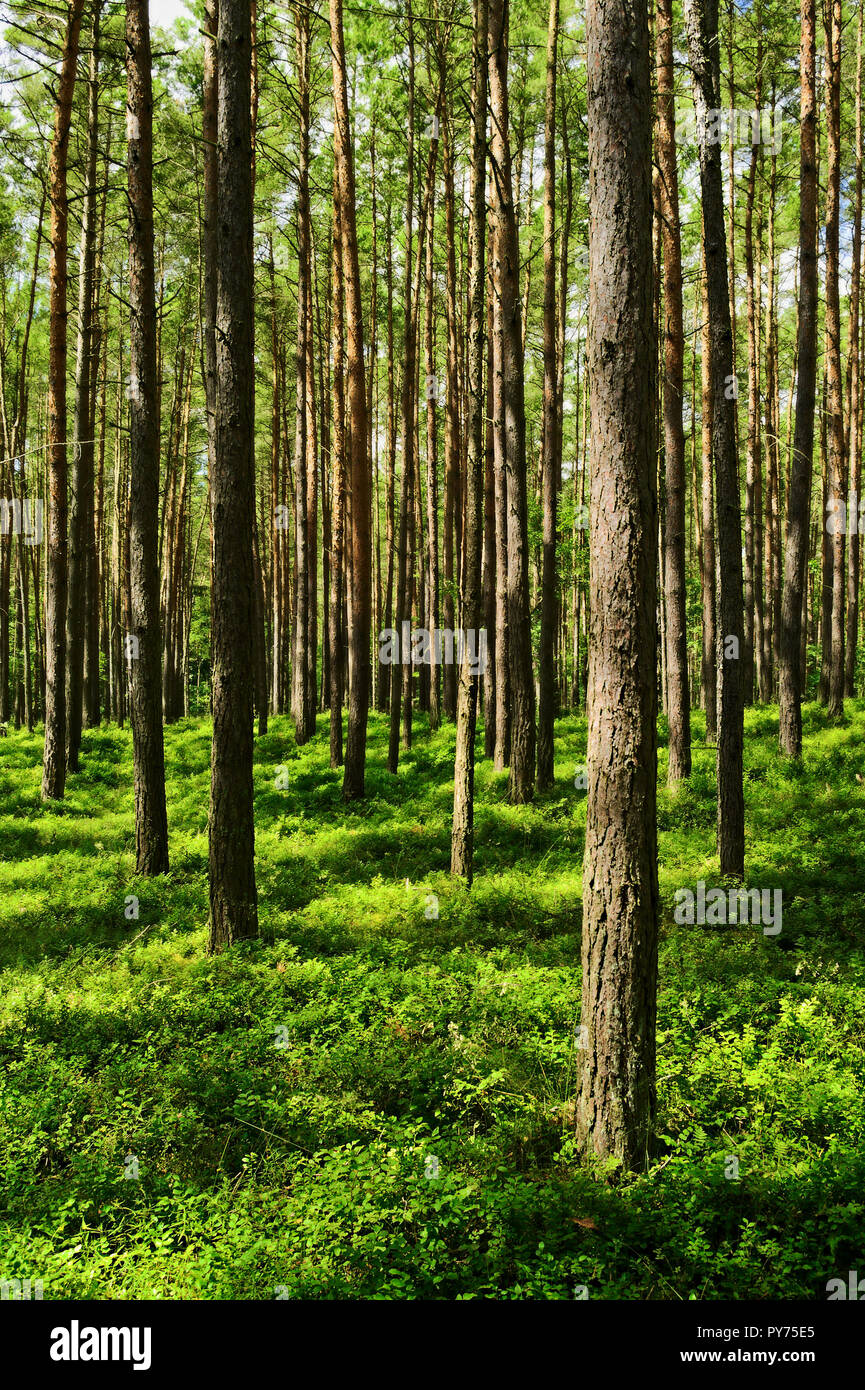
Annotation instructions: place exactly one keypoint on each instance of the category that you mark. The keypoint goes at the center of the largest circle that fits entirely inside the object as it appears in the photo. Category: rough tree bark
(552, 405)
(54, 757)
(145, 657)
(615, 1105)
(502, 746)
(452, 421)
(837, 476)
(335, 634)
(209, 131)
(701, 18)
(462, 835)
(361, 590)
(853, 394)
(303, 421)
(432, 395)
(401, 678)
(772, 581)
(506, 278)
(678, 695)
(81, 482)
(753, 463)
(799, 494)
(709, 677)
(233, 898)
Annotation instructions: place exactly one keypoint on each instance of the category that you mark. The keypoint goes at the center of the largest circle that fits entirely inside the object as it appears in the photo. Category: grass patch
(375, 1102)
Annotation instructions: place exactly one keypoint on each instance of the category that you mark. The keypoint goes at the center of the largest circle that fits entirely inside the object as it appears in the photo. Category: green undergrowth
(376, 1099)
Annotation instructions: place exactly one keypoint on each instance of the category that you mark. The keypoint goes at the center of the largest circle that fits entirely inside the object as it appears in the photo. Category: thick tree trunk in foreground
(54, 757)
(615, 1107)
(462, 835)
(233, 900)
(799, 496)
(678, 695)
(702, 24)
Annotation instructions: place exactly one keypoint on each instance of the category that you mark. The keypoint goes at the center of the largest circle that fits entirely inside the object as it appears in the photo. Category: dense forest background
(408, 79)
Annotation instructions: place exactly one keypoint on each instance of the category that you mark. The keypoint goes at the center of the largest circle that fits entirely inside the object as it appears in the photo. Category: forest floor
(372, 1102)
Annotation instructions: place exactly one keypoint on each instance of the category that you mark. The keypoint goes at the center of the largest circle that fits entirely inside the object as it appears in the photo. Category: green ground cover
(374, 1101)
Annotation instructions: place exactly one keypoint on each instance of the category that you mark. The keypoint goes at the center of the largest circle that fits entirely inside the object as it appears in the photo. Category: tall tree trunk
(311, 519)
(709, 666)
(7, 490)
(116, 661)
(259, 636)
(81, 489)
(462, 834)
(678, 695)
(616, 1100)
(335, 633)
(210, 244)
(145, 658)
(702, 25)
(14, 443)
(390, 538)
(579, 466)
(361, 590)
(731, 187)
(835, 470)
(371, 409)
(799, 493)
(432, 396)
(503, 710)
(753, 465)
(824, 539)
(400, 688)
(303, 421)
(95, 599)
(772, 568)
(836, 475)
(410, 510)
(54, 757)
(854, 371)
(233, 899)
(279, 530)
(552, 406)
(452, 423)
(488, 578)
(507, 271)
